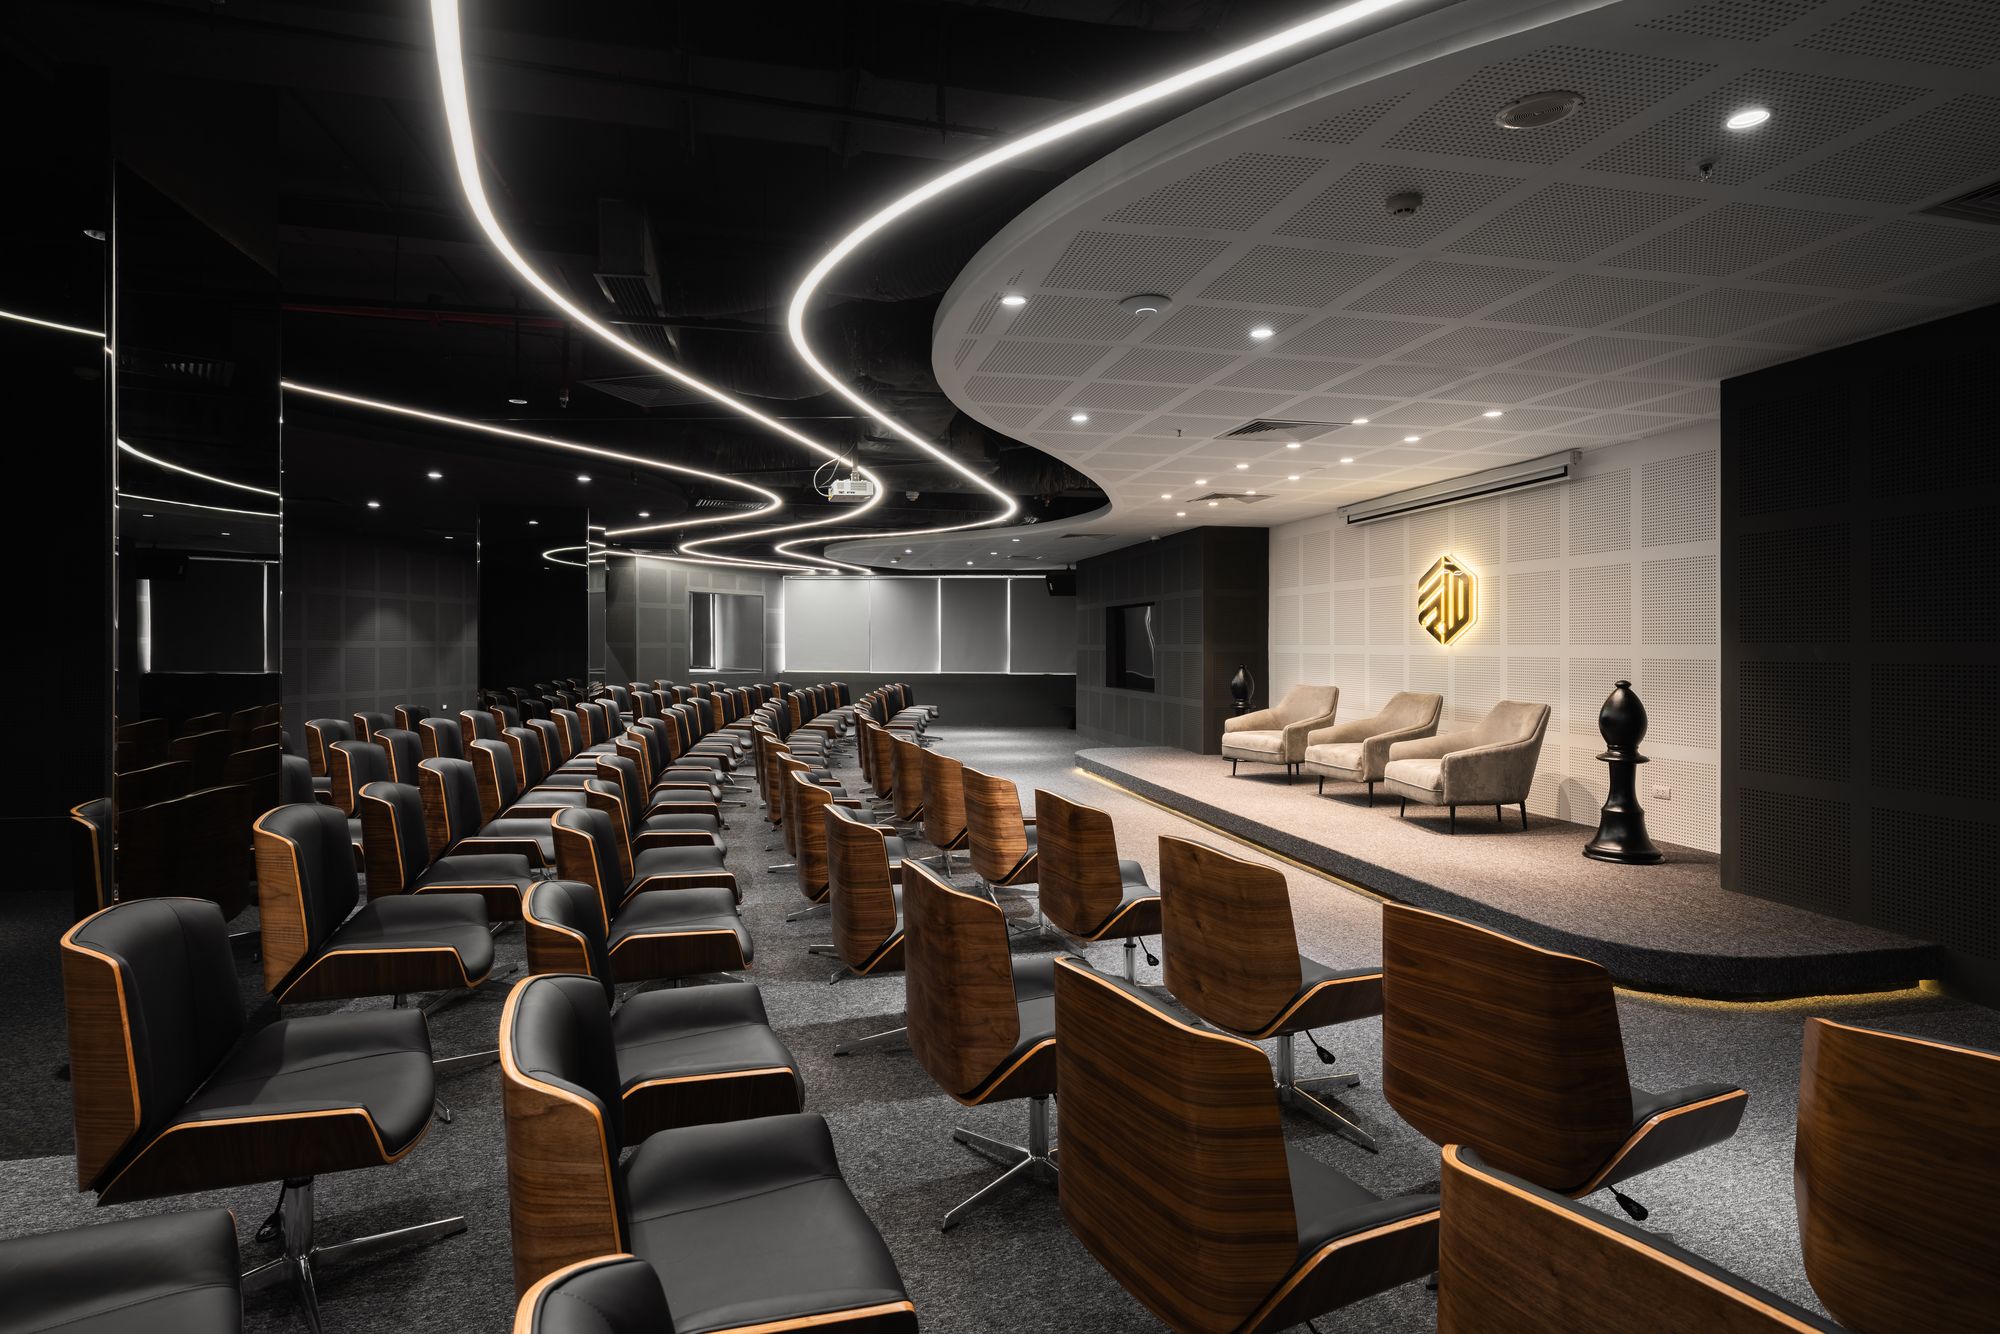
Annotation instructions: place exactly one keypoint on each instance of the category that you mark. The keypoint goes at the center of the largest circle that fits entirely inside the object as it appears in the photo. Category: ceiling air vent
(1981, 205)
(1241, 497)
(1270, 428)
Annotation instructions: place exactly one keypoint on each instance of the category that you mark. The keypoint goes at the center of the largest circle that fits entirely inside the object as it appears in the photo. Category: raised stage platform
(1671, 927)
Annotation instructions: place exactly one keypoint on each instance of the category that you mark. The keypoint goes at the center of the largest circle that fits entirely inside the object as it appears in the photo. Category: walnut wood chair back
(368, 722)
(405, 750)
(194, 846)
(907, 783)
(857, 878)
(805, 829)
(944, 801)
(881, 761)
(352, 765)
(153, 783)
(255, 769)
(150, 991)
(1510, 1049)
(92, 825)
(958, 983)
(1896, 1173)
(995, 831)
(145, 742)
(306, 886)
(1226, 935)
(1173, 1159)
(321, 733)
(395, 850)
(204, 752)
(409, 715)
(478, 725)
(1514, 1258)
(565, 928)
(560, 1093)
(443, 738)
(1077, 852)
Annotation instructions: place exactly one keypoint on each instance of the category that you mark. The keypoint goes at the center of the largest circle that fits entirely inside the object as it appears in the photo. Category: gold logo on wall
(1447, 599)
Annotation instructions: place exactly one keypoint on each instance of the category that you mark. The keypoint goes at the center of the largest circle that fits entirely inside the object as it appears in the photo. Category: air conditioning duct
(1549, 470)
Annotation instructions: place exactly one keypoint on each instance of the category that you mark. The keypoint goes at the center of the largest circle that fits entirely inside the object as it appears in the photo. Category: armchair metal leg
(1033, 1161)
(1305, 1095)
(872, 1041)
(1131, 960)
(808, 911)
(783, 866)
(303, 1255)
(1451, 822)
(1371, 792)
(1322, 785)
(1524, 815)
(1232, 768)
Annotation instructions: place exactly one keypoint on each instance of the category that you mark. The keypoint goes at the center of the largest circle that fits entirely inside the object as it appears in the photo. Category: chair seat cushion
(379, 1060)
(1334, 995)
(677, 911)
(671, 862)
(1691, 1118)
(694, 1031)
(1328, 1206)
(529, 829)
(1268, 747)
(1417, 775)
(543, 794)
(456, 922)
(479, 868)
(750, 1223)
(1035, 1003)
(166, 1274)
(680, 822)
(1337, 758)
(893, 843)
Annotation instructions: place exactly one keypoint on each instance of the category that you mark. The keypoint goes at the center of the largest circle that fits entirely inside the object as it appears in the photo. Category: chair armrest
(1354, 729)
(1376, 750)
(1484, 773)
(1430, 747)
(1295, 735)
(673, 838)
(1258, 720)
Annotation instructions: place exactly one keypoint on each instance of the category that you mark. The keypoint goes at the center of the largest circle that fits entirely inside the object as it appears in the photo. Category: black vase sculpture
(1242, 686)
(1621, 825)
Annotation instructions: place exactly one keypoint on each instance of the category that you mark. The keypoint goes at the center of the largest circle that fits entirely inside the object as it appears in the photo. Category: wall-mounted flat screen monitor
(1130, 647)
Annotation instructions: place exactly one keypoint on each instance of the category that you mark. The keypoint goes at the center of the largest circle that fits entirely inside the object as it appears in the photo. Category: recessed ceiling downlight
(1749, 118)
(1262, 331)
(1013, 299)
(1146, 303)
(1079, 417)
(1538, 110)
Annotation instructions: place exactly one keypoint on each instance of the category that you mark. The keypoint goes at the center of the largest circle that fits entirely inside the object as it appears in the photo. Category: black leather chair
(406, 751)
(590, 849)
(1090, 893)
(747, 1223)
(398, 860)
(318, 946)
(981, 1022)
(669, 820)
(164, 1274)
(409, 715)
(321, 733)
(1177, 1177)
(455, 823)
(173, 1095)
(1233, 958)
(613, 1294)
(635, 870)
(1515, 1258)
(501, 795)
(687, 1055)
(443, 738)
(367, 724)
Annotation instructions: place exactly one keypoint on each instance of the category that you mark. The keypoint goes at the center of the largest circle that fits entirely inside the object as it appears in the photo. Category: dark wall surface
(1210, 590)
(1860, 665)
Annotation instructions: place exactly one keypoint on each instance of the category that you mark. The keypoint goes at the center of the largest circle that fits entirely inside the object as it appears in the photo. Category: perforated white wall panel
(1610, 577)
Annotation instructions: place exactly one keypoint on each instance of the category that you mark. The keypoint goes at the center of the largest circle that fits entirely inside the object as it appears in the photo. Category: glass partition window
(1129, 634)
(726, 632)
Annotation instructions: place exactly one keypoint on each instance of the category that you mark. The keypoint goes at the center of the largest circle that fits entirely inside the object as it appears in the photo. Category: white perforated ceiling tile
(1582, 280)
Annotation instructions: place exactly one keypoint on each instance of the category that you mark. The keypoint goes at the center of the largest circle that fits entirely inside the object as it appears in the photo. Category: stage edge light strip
(452, 88)
(1285, 39)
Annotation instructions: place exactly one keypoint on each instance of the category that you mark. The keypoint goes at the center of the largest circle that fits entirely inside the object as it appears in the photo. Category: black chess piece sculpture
(1621, 826)
(1242, 686)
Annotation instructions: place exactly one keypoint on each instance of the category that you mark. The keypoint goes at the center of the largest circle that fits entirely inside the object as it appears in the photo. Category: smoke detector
(1146, 304)
(1404, 204)
(1538, 110)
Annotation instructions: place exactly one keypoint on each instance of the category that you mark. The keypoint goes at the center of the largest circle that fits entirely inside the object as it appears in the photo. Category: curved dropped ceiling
(448, 37)
(1277, 43)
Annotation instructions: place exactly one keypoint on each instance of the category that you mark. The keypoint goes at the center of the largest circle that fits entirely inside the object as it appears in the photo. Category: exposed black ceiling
(740, 139)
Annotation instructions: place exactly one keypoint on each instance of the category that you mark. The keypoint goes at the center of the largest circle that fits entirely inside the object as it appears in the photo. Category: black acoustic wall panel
(1860, 549)
(1211, 614)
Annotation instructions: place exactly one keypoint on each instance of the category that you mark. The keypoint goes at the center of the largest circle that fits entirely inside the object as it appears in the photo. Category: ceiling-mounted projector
(851, 489)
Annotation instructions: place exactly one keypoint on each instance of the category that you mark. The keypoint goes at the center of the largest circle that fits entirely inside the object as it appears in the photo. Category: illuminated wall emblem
(1447, 599)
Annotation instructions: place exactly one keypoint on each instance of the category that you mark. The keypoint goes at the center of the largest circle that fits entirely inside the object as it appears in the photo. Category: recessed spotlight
(1079, 417)
(449, 538)
(968, 562)
(1242, 467)
(1164, 495)
(1013, 539)
(1291, 477)
(222, 534)
(1213, 503)
(1492, 412)
(645, 514)
(374, 504)
(895, 560)
(1013, 299)
(1291, 444)
(992, 553)
(534, 523)
(1360, 421)
(1348, 460)
(583, 477)
(1146, 303)
(518, 402)
(1749, 118)
(1251, 492)
(1180, 514)
(906, 550)
(435, 475)
(1262, 331)
(1201, 481)
(1411, 439)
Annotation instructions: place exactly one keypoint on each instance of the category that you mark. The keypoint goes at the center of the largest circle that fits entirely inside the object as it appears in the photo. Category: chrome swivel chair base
(303, 1256)
(807, 911)
(1032, 1162)
(1305, 1095)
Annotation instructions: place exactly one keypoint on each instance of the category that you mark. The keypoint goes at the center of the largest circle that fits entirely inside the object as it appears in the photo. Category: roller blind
(826, 625)
(1042, 629)
(973, 627)
(903, 625)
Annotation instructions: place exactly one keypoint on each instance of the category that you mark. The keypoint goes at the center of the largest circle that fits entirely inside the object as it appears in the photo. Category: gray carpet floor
(1014, 1267)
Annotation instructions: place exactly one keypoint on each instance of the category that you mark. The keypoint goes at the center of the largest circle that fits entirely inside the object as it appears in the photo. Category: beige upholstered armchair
(1356, 751)
(1278, 736)
(1494, 763)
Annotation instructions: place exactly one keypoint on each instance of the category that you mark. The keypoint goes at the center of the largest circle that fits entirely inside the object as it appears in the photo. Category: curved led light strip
(139, 453)
(795, 319)
(189, 504)
(51, 324)
(465, 156)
